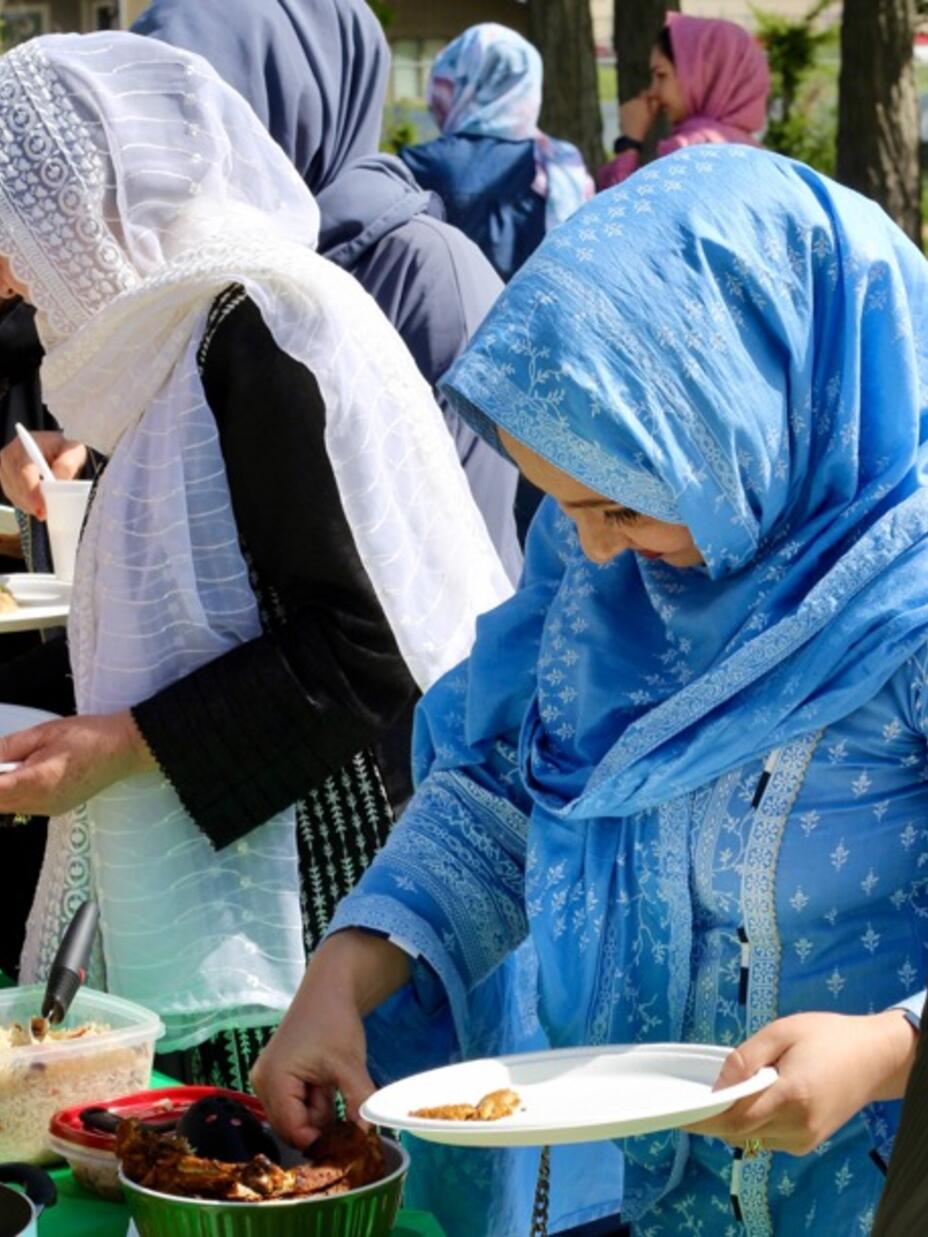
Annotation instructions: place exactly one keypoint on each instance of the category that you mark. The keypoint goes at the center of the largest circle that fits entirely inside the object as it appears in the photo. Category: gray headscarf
(315, 72)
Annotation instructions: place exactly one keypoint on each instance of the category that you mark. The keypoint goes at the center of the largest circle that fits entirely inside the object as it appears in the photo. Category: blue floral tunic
(703, 919)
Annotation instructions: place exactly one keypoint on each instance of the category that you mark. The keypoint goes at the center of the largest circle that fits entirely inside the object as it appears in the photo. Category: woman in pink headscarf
(709, 78)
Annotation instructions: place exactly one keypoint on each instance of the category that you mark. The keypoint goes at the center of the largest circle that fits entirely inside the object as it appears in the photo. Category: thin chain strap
(542, 1196)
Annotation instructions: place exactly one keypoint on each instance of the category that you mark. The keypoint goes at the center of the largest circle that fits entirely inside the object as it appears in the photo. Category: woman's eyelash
(620, 515)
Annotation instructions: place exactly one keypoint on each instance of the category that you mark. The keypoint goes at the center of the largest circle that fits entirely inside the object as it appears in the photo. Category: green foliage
(809, 134)
(802, 122)
(792, 49)
(384, 12)
(401, 132)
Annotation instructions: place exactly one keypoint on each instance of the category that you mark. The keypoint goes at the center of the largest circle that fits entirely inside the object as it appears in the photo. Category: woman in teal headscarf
(688, 758)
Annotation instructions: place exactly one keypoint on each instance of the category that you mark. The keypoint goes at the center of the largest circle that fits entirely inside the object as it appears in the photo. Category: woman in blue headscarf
(503, 182)
(688, 758)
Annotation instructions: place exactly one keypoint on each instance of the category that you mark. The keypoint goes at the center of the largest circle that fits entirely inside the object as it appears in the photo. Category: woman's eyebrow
(595, 502)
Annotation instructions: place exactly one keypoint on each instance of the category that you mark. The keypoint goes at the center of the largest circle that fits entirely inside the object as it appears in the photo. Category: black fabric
(903, 1210)
(40, 679)
(22, 849)
(254, 731)
(611, 1226)
(20, 357)
(21, 401)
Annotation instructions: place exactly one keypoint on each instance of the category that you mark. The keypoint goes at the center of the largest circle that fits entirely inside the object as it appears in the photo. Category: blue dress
(636, 922)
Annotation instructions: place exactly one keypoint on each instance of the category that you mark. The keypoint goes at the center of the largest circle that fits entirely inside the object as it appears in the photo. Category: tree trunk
(878, 120)
(637, 25)
(562, 30)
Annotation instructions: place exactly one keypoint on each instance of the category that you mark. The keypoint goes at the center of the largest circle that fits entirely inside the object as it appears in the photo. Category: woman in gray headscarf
(315, 72)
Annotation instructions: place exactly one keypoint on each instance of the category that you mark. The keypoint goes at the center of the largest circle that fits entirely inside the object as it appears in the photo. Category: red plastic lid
(167, 1104)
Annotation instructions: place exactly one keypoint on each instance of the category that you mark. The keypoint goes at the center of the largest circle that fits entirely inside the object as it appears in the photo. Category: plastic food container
(92, 1155)
(97, 1171)
(366, 1212)
(37, 1080)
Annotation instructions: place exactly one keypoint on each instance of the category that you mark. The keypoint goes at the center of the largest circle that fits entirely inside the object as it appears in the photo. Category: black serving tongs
(69, 968)
(100, 1120)
(219, 1127)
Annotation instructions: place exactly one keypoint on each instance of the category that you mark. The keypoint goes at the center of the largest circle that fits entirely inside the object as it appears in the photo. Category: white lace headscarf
(134, 187)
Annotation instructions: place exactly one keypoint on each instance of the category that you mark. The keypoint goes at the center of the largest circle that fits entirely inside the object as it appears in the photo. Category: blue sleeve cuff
(912, 1007)
(882, 1117)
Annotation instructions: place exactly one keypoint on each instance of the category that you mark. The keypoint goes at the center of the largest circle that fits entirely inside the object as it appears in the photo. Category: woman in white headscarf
(281, 549)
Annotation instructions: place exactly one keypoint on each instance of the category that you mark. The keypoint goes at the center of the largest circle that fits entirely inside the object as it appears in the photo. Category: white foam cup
(65, 506)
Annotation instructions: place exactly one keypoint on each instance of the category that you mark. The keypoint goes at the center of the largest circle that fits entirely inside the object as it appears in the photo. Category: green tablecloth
(81, 1214)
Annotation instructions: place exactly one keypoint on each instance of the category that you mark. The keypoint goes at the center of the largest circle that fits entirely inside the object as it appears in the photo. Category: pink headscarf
(724, 78)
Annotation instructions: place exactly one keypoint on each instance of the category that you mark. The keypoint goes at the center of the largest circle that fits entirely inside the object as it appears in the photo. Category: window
(412, 62)
(101, 15)
(20, 22)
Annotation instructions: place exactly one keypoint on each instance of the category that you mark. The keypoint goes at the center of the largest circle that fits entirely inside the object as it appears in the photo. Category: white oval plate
(44, 601)
(16, 717)
(570, 1095)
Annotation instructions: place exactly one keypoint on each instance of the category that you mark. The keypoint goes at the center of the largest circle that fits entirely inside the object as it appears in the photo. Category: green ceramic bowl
(367, 1212)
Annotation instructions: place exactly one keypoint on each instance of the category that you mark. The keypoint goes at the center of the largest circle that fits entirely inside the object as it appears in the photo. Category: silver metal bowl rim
(359, 1192)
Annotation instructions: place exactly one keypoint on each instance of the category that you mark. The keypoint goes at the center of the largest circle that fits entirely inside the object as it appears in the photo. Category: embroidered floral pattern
(52, 183)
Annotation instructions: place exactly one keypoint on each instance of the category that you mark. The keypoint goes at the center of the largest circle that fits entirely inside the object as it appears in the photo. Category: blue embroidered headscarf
(734, 342)
(488, 83)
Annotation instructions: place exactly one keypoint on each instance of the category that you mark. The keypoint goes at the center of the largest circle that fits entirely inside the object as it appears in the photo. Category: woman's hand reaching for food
(830, 1066)
(320, 1046)
(19, 477)
(66, 762)
(318, 1049)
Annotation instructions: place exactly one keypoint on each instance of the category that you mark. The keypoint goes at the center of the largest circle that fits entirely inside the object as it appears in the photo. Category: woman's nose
(600, 543)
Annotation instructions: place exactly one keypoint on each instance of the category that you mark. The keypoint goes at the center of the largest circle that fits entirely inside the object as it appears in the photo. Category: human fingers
(767, 1047)
(22, 744)
(320, 1106)
(635, 118)
(29, 791)
(764, 1048)
(356, 1086)
(300, 1107)
(296, 1110)
(67, 458)
(55, 772)
(20, 480)
(295, 1078)
(745, 1118)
